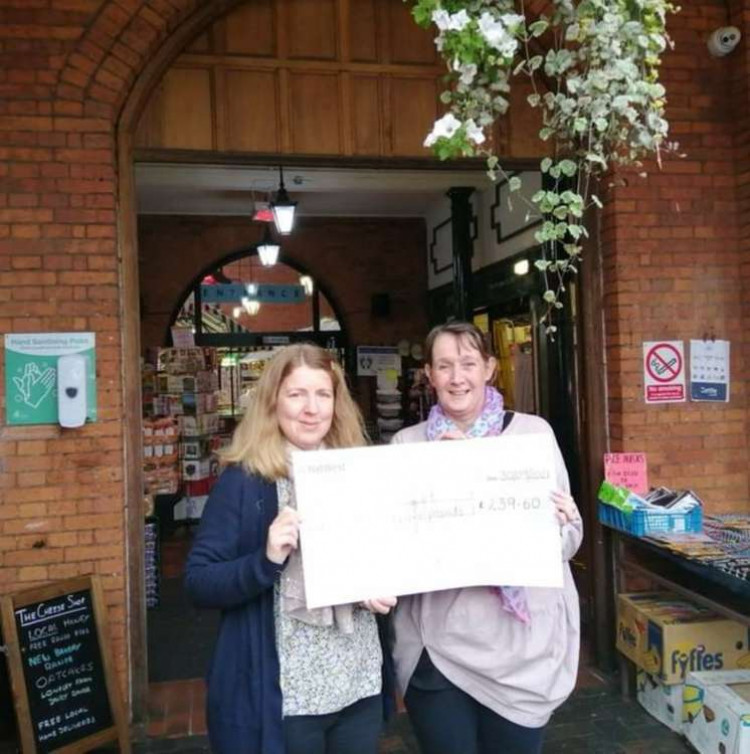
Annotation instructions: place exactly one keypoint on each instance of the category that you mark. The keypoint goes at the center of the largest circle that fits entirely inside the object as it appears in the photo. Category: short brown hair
(258, 443)
(458, 330)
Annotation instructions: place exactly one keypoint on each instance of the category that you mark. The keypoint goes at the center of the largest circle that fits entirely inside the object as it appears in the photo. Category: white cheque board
(420, 517)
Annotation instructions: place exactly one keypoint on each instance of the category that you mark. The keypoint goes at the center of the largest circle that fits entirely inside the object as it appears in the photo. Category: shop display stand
(390, 412)
(195, 390)
(152, 561)
(725, 595)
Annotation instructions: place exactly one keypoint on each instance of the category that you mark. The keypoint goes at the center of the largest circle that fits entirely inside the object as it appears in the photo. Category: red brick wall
(673, 262)
(66, 69)
(352, 259)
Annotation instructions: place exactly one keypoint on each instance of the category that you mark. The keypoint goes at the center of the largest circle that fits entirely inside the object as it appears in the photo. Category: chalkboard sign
(57, 646)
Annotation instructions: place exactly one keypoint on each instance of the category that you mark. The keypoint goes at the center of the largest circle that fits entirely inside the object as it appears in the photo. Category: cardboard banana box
(669, 637)
(716, 709)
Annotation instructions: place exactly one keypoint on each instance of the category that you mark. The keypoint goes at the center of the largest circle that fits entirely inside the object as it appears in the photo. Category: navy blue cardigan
(228, 569)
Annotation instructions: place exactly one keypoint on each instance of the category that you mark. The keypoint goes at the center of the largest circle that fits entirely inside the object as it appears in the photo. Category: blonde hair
(258, 443)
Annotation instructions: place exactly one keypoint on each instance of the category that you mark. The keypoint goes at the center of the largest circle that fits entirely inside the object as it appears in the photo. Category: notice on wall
(448, 514)
(627, 470)
(709, 370)
(66, 696)
(31, 374)
(664, 371)
(374, 359)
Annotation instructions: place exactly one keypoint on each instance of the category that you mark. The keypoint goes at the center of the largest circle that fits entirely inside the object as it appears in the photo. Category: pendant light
(283, 208)
(251, 306)
(268, 249)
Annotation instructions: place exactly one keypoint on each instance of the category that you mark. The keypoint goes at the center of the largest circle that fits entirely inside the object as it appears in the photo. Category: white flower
(444, 127)
(468, 71)
(459, 20)
(441, 19)
(512, 19)
(447, 22)
(496, 35)
(474, 132)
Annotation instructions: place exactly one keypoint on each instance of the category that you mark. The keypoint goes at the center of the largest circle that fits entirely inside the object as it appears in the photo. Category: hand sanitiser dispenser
(71, 390)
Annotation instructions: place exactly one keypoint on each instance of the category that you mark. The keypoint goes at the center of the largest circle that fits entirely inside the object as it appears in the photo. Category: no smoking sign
(664, 371)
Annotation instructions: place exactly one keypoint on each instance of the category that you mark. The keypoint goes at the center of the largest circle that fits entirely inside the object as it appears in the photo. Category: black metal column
(461, 214)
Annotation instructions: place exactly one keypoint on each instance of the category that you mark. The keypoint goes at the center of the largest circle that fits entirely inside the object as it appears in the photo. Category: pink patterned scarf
(488, 424)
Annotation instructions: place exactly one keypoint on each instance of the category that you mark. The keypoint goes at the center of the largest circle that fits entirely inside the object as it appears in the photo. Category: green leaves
(538, 27)
(568, 168)
(601, 103)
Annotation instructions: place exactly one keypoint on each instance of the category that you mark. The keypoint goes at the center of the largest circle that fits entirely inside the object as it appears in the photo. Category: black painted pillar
(461, 214)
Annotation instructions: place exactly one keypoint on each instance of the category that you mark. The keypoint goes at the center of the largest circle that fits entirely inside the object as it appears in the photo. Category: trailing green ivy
(601, 101)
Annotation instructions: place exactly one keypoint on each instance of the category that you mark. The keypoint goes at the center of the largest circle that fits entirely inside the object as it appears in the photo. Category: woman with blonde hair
(283, 679)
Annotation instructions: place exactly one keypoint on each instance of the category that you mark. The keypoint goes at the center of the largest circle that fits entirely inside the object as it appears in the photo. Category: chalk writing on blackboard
(63, 669)
(64, 695)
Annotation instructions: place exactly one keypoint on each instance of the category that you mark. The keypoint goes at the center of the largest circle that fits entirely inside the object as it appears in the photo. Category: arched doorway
(410, 100)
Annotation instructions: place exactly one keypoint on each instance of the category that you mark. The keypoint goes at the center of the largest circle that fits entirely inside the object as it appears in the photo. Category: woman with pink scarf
(482, 669)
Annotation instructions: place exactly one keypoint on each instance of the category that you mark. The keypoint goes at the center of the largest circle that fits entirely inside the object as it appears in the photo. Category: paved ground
(593, 721)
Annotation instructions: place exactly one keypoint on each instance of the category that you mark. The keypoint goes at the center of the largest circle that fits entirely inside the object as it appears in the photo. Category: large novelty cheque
(411, 518)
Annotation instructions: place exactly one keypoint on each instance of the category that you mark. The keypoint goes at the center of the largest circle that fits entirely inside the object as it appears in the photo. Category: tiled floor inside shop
(595, 719)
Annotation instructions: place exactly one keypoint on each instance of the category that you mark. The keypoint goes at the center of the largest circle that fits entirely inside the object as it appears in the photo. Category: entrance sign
(374, 359)
(31, 374)
(627, 470)
(664, 371)
(266, 293)
(709, 370)
(410, 518)
(57, 644)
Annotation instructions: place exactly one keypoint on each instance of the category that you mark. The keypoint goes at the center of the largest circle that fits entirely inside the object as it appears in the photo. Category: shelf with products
(179, 427)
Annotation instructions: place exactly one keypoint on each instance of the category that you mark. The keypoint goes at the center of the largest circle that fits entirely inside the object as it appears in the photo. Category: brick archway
(120, 47)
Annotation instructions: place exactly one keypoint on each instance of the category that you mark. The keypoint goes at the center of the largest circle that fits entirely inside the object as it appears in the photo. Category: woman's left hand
(381, 605)
(565, 508)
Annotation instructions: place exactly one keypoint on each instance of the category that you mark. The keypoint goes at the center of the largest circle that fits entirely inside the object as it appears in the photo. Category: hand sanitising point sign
(31, 374)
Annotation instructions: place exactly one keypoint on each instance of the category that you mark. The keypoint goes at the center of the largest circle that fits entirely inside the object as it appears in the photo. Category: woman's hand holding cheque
(565, 508)
(381, 605)
(283, 536)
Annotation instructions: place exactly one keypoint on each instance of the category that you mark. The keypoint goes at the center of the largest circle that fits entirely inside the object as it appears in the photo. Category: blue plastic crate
(642, 521)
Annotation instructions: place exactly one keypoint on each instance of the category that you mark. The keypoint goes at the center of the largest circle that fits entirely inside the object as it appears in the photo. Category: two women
(482, 669)
(283, 679)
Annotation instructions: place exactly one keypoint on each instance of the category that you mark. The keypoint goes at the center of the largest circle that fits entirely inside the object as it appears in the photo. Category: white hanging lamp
(268, 249)
(283, 208)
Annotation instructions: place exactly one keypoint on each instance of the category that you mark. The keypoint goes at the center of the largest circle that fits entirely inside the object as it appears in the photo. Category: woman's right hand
(381, 605)
(283, 536)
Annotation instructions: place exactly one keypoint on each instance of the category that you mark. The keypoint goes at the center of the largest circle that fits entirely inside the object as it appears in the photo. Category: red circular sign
(663, 362)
